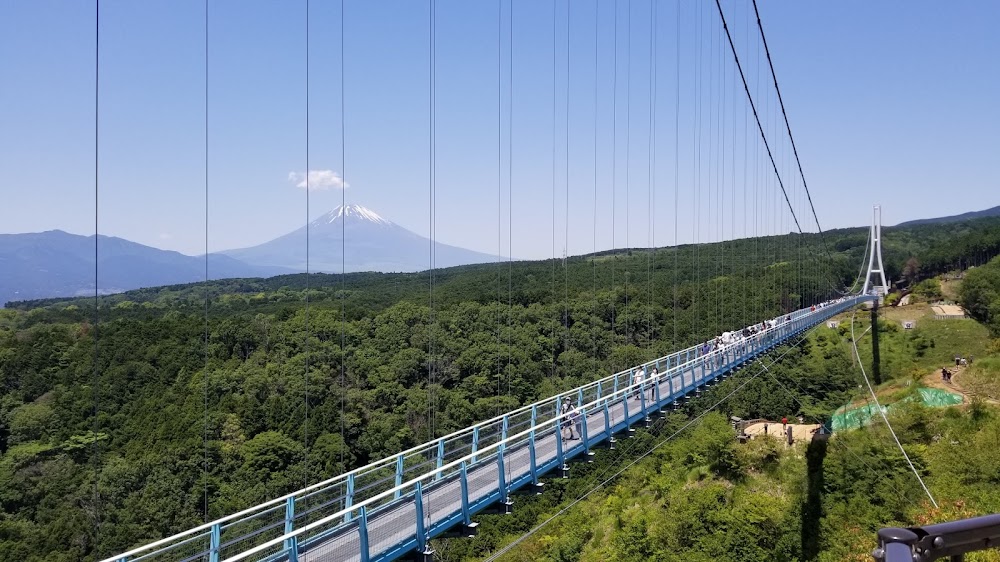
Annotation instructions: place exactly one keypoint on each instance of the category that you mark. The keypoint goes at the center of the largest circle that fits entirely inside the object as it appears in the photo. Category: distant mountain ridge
(59, 264)
(991, 212)
(354, 238)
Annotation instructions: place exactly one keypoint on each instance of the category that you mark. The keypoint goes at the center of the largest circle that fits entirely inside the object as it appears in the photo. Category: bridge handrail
(431, 445)
(540, 427)
(410, 484)
(392, 459)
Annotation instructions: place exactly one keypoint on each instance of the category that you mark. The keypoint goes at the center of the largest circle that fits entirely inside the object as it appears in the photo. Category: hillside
(701, 495)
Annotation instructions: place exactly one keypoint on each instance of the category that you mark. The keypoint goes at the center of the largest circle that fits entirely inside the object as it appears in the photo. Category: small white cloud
(319, 180)
(165, 236)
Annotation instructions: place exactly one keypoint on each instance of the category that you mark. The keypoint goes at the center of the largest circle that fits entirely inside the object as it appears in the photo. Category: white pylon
(876, 250)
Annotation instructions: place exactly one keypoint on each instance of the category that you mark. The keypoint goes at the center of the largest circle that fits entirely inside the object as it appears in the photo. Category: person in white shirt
(640, 375)
(654, 381)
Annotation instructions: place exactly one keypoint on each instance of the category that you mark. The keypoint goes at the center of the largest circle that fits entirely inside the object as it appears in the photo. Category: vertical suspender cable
(510, 214)
(677, 158)
(723, 132)
(432, 218)
(628, 154)
(499, 190)
(96, 393)
(204, 436)
(651, 180)
(552, 369)
(737, 254)
(566, 224)
(711, 311)
(343, 248)
(760, 208)
(696, 175)
(305, 346)
(747, 294)
(432, 196)
(510, 191)
(759, 247)
(597, 82)
(614, 171)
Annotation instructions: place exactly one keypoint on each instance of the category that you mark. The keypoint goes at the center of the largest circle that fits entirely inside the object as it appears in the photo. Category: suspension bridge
(394, 507)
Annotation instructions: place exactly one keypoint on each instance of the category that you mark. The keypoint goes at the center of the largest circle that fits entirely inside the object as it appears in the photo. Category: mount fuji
(369, 243)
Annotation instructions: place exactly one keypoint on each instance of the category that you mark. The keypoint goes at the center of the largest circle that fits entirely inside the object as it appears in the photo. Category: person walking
(654, 381)
(566, 427)
(576, 420)
(640, 375)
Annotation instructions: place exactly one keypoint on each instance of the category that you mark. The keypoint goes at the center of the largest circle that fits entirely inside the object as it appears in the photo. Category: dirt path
(933, 380)
(799, 431)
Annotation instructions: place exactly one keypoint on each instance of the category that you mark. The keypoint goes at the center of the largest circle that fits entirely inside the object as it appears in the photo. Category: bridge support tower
(875, 253)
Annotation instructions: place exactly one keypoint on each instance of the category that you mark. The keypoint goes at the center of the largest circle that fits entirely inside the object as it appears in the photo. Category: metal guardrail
(284, 526)
(953, 539)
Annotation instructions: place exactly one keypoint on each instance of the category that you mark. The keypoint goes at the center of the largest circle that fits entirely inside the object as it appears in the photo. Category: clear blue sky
(890, 102)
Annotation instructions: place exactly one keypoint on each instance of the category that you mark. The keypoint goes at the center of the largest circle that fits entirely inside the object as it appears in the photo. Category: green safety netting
(853, 418)
(939, 398)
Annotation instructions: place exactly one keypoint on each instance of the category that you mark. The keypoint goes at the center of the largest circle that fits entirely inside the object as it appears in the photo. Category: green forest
(118, 415)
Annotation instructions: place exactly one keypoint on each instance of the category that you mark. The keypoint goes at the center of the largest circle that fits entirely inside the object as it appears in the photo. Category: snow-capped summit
(355, 238)
(355, 212)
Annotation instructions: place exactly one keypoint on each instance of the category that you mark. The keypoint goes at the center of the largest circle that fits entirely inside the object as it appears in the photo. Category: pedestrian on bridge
(565, 425)
(576, 419)
(640, 376)
(654, 381)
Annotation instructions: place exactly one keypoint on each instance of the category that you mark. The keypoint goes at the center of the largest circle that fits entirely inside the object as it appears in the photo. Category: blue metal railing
(352, 511)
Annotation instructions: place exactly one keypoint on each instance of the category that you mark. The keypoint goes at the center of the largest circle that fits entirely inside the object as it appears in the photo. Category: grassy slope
(671, 507)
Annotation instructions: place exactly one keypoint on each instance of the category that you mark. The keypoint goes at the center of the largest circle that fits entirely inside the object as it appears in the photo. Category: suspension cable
(788, 126)
(871, 390)
(753, 106)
